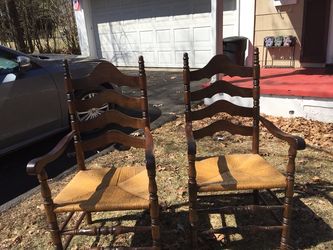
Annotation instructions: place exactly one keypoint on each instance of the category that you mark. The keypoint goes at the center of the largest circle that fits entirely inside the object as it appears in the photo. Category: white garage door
(230, 18)
(159, 30)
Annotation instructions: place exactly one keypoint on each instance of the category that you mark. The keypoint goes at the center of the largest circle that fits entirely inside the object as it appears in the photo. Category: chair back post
(150, 158)
(143, 91)
(187, 93)
(73, 117)
(256, 107)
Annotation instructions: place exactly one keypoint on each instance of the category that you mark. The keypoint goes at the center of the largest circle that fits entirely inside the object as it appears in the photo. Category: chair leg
(285, 244)
(54, 229)
(88, 218)
(50, 214)
(193, 217)
(256, 196)
(288, 202)
(286, 220)
(155, 222)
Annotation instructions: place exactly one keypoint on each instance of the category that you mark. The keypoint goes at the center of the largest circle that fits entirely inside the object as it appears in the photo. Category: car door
(29, 104)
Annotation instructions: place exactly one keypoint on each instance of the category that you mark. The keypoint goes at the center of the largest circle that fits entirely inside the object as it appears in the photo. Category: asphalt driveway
(165, 93)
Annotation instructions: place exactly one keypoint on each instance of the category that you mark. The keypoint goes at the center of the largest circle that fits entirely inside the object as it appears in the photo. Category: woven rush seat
(104, 189)
(237, 172)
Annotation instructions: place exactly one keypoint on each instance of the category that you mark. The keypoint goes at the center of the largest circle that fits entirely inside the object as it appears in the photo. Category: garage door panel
(104, 28)
(182, 35)
(125, 37)
(129, 57)
(179, 57)
(163, 36)
(201, 57)
(159, 30)
(166, 57)
(147, 37)
(105, 40)
(162, 19)
(202, 34)
(149, 57)
(146, 21)
(128, 24)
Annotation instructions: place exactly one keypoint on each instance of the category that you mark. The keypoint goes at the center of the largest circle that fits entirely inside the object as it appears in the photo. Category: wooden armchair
(102, 189)
(234, 173)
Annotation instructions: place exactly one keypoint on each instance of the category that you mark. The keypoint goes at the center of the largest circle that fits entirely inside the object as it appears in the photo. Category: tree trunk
(15, 24)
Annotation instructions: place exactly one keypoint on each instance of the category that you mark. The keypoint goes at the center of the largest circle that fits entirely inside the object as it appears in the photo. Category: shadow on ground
(308, 229)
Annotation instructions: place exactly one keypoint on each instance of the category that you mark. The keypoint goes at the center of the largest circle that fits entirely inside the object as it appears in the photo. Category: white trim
(217, 29)
(81, 30)
(284, 2)
(246, 27)
(319, 109)
(85, 29)
(90, 29)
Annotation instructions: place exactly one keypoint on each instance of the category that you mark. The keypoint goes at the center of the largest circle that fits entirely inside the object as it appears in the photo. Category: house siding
(279, 20)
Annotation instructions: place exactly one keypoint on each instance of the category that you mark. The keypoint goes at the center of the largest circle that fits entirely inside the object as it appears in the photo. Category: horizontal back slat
(109, 96)
(213, 67)
(113, 136)
(105, 72)
(111, 116)
(221, 87)
(221, 106)
(222, 125)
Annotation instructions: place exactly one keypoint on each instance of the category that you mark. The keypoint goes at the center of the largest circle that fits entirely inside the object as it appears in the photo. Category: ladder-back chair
(102, 189)
(236, 172)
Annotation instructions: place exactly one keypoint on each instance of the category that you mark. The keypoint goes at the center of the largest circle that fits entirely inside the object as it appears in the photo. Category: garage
(159, 30)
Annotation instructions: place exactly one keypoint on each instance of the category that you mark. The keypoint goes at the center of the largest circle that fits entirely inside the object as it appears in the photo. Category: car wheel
(93, 112)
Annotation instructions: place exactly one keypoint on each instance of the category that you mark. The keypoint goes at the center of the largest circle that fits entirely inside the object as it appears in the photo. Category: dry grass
(24, 227)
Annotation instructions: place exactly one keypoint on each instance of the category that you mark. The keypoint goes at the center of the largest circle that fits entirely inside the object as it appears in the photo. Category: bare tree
(43, 25)
(15, 24)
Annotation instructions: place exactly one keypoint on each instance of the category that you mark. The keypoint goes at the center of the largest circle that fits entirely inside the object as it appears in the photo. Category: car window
(7, 66)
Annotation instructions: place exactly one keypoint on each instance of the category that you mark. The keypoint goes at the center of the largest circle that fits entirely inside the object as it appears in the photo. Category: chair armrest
(295, 141)
(35, 166)
(191, 145)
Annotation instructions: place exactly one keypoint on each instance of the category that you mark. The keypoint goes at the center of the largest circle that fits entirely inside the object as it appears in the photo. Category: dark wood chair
(102, 189)
(234, 173)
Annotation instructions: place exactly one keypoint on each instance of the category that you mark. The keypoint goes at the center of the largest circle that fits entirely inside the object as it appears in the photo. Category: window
(7, 66)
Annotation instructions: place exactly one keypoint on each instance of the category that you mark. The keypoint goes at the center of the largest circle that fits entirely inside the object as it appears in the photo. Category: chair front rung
(105, 230)
(242, 229)
(232, 209)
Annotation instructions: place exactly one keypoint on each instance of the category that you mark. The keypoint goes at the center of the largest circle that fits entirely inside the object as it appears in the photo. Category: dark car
(32, 97)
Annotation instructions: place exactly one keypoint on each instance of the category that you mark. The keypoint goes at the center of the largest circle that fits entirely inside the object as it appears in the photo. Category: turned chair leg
(193, 217)
(50, 214)
(55, 235)
(286, 221)
(54, 228)
(155, 223)
(288, 202)
(256, 196)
